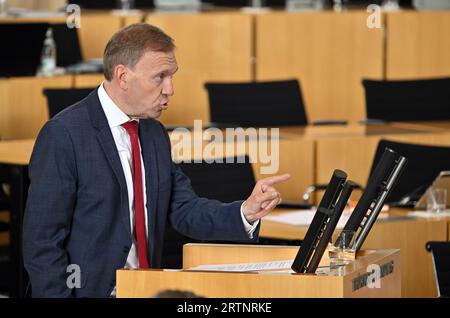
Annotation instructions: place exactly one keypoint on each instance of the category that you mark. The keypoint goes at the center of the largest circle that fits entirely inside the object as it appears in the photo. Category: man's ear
(121, 74)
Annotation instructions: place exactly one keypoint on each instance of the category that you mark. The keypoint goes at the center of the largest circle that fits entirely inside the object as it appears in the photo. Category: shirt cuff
(249, 228)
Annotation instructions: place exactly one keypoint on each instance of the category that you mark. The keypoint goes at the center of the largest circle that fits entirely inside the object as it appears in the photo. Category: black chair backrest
(424, 165)
(60, 98)
(408, 100)
(67, 43)
(225, 182)
(21, 50)
(256, 104)
(441, 260)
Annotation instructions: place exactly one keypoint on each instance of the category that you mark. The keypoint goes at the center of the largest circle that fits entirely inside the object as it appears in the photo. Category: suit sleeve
(202, 218)
(49, 211)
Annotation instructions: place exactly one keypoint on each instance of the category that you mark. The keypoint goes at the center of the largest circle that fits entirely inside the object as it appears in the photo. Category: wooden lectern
(348, 281)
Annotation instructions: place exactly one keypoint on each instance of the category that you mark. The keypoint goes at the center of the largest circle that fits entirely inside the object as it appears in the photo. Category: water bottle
(2, 8)
(48, 57)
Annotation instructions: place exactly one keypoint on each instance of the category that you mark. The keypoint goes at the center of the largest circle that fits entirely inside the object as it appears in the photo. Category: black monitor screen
(21, 53)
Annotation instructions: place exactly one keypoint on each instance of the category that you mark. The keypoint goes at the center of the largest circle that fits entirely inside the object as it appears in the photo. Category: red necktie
(132, 127)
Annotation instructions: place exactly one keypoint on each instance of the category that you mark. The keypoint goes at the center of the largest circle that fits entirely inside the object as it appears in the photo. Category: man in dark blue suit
(103, 183)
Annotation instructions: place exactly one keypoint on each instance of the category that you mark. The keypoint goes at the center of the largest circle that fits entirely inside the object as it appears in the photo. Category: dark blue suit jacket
(77, 209)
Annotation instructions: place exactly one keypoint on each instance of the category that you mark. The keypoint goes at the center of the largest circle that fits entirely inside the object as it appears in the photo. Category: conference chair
(256, 104)
(411, 100)
(440, 253)
(424, 165)
(60, 98)
(68, 51)
(21, 52)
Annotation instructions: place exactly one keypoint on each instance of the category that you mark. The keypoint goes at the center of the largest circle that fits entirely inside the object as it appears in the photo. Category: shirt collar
(114, 114)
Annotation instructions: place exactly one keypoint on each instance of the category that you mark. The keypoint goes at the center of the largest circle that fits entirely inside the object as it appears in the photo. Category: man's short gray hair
(129, 44)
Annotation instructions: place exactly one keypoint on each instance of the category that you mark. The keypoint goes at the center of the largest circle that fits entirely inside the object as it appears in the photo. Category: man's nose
(168, 87)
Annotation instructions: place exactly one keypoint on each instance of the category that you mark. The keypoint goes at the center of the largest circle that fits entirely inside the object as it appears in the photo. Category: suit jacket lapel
(151, 177)
(109, 147)
(106, 141)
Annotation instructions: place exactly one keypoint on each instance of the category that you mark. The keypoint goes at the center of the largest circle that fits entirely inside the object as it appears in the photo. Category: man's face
(149, 84)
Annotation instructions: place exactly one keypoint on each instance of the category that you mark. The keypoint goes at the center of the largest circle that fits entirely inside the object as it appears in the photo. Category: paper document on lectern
(245, 267)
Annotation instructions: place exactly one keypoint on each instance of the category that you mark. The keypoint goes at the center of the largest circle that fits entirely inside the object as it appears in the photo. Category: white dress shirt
(116, 117)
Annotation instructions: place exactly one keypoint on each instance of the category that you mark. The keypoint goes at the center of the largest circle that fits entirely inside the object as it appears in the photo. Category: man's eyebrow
(170, 71)
(167, 70)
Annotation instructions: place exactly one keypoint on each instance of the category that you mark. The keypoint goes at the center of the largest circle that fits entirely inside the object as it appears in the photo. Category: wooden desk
(147, 283)
(397, 231)
(418, 44)
(429, 126)
(87, 80)
(23, 107)
(37, 5)
(210, 47)
(16, 151)
(96, 30)
(50, 19)
(354, 155)
(329, 53)
(317, 132)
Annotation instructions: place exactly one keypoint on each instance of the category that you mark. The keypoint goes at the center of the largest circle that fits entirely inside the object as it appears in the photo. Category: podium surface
(349, 281)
